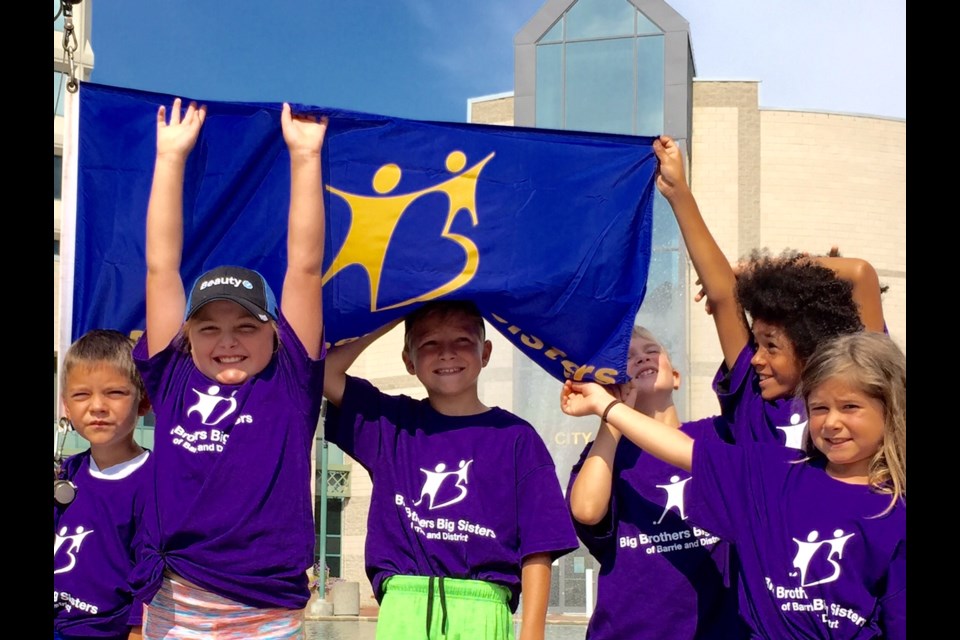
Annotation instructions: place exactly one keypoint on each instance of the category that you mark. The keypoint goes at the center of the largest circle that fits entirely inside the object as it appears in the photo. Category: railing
(338, 480)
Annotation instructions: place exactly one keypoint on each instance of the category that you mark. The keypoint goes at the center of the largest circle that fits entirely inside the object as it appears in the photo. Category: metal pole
(323, 506)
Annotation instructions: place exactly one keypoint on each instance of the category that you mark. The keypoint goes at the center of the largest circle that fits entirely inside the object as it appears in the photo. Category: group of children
(777, 518)
(785, 515)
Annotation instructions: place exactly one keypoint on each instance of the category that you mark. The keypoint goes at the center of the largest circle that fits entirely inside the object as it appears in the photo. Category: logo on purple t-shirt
(213, 408)
(444, 488)
(435, 480)
(817, 562)
(674, 497)
(75, 540)
(794, 432)
(806, 550)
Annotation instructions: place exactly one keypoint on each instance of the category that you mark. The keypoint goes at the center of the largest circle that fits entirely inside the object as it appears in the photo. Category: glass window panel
(58, 23)
(145, 437)
(334, 514)
(333, 562)
(549, 86)
(645, 27)
(666, 233)
(334, 454)
(536, 394)
(650, 81)
(333, 545)
(59, 89)
(57, 175)
(599, 86)
(334, 540)
(600, 18)
(554, 35)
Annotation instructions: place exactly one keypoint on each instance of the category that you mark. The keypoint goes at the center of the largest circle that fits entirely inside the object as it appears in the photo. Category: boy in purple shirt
(94, 533)
(660, 576)
(795, 302)
(820, 533)
(466, 509)
(235, 380)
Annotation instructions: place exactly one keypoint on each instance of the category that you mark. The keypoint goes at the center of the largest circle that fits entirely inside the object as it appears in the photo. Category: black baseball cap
(246, 287)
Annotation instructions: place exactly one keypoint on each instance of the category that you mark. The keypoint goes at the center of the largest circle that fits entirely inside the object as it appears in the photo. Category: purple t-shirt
(94, 548)
(751, 418)
(814, 563)
(660, 576)
(463, 497)
(233, 506)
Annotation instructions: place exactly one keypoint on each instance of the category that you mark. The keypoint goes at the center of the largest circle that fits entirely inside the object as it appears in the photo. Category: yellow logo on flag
(374, 220)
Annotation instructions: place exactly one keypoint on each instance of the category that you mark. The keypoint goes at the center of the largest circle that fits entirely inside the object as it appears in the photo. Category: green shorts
(443, 609)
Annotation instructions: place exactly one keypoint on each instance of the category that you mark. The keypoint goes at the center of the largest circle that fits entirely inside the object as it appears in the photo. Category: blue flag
(549, 232)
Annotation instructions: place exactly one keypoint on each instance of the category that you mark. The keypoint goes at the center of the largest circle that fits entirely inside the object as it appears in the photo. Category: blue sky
(423, 59)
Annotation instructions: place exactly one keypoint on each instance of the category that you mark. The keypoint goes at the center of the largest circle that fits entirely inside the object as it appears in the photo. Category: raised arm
(656, 438)
(166, 299)
(591, 491)
(866, 287)
(712, 267)
(593, 486)
(340, 358)
(302, 297)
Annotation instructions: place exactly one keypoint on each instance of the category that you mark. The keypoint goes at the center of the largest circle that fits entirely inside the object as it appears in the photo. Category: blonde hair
(639, 331)
(873, 363)
(103, 347)
(442, 309)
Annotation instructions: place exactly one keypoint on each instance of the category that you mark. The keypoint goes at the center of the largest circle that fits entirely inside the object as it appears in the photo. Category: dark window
(57, 175)
(334, 531)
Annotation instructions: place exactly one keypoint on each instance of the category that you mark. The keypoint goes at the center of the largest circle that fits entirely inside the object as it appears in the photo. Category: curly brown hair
(800, 295)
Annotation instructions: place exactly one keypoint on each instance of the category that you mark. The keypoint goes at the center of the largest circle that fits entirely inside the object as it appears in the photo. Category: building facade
(764, 178)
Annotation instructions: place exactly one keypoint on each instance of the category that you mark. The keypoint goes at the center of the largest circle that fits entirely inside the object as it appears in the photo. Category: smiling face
(227, 343)
(649, 367)
(847, 426)
(103, 404)
(775, 361)
(446, 352)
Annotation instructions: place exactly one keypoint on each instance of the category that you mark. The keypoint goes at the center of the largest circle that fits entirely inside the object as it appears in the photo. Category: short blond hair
(443, 309)
(103, 346)
(639, 331)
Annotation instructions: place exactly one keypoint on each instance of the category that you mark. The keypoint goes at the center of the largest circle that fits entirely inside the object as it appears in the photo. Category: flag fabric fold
(549, 232)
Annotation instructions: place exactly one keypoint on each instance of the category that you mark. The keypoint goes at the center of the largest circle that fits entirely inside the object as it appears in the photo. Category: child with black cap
(236, 382)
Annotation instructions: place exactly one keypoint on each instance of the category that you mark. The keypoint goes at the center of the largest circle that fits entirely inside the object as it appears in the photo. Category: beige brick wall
(839, 179)
(492, 111)
(792, 179)
(714, 175)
